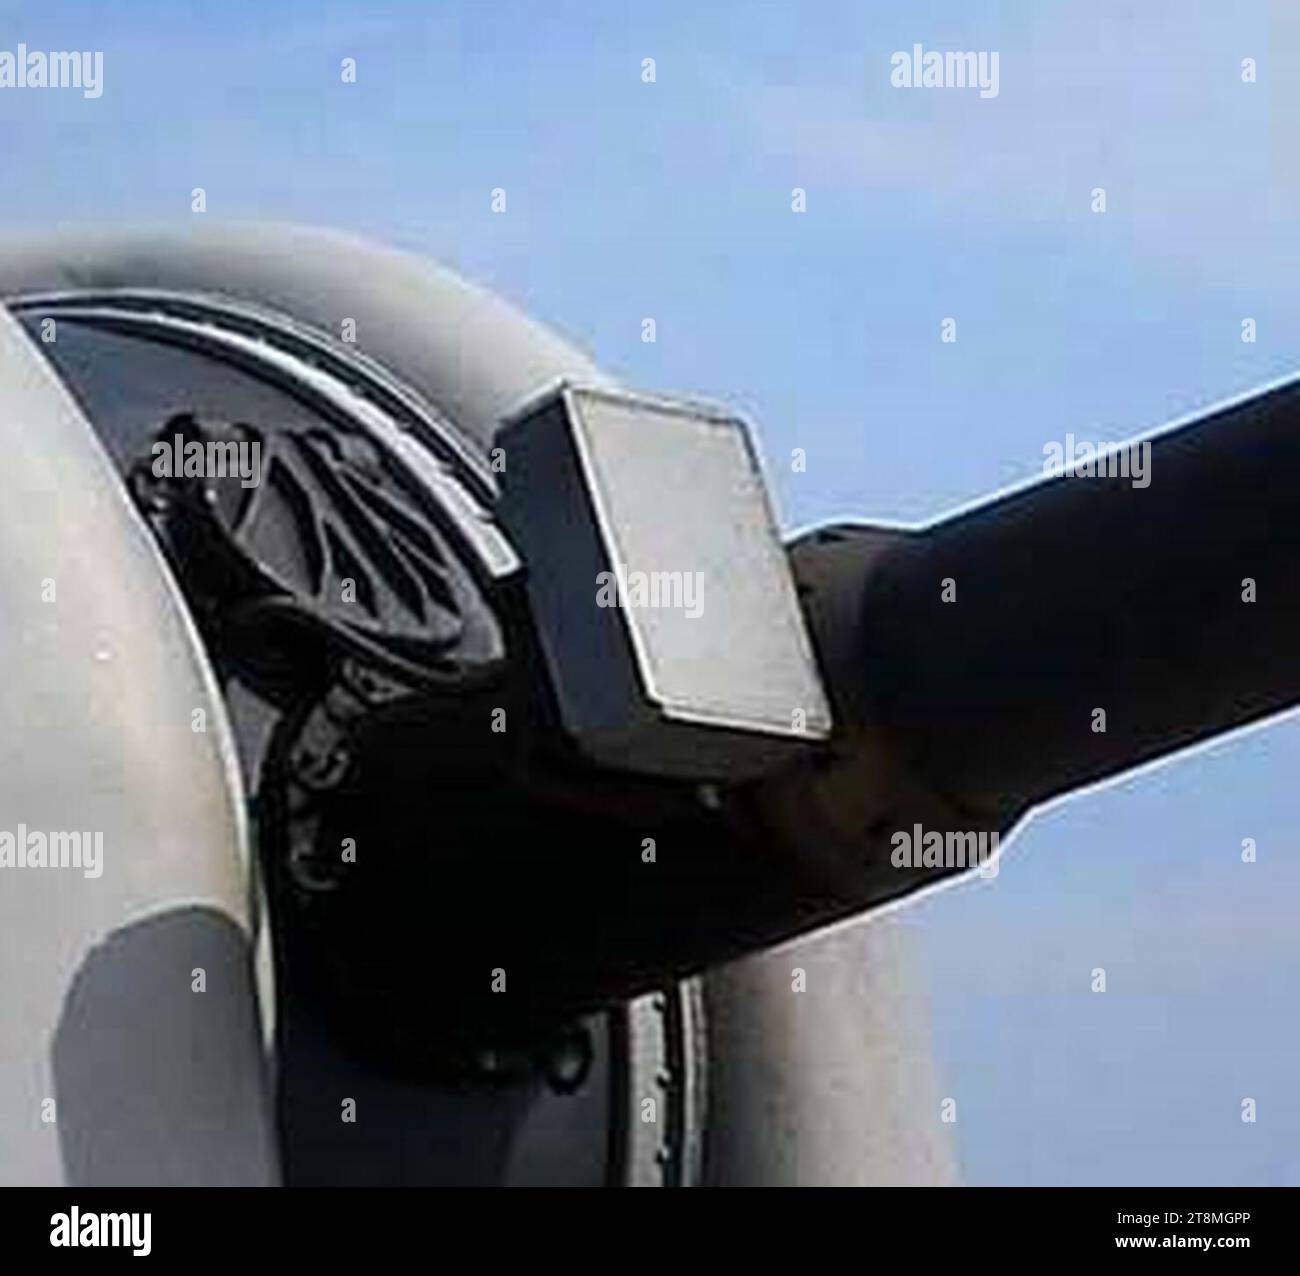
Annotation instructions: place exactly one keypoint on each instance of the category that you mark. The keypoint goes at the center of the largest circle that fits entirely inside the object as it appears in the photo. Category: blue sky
(672, 200)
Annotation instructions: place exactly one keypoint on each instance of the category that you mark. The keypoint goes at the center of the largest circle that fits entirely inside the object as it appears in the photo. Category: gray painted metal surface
(471, 354)
(708, 672)
(114, 1069)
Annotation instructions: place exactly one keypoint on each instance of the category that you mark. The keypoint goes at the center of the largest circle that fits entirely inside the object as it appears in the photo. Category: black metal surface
(1087, 593)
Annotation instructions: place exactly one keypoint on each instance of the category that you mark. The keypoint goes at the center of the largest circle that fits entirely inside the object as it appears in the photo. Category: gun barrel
(1080, 627)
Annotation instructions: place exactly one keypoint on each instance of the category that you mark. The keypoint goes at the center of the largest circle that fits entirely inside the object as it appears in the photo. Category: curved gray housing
(473, 356)
(113, 731)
